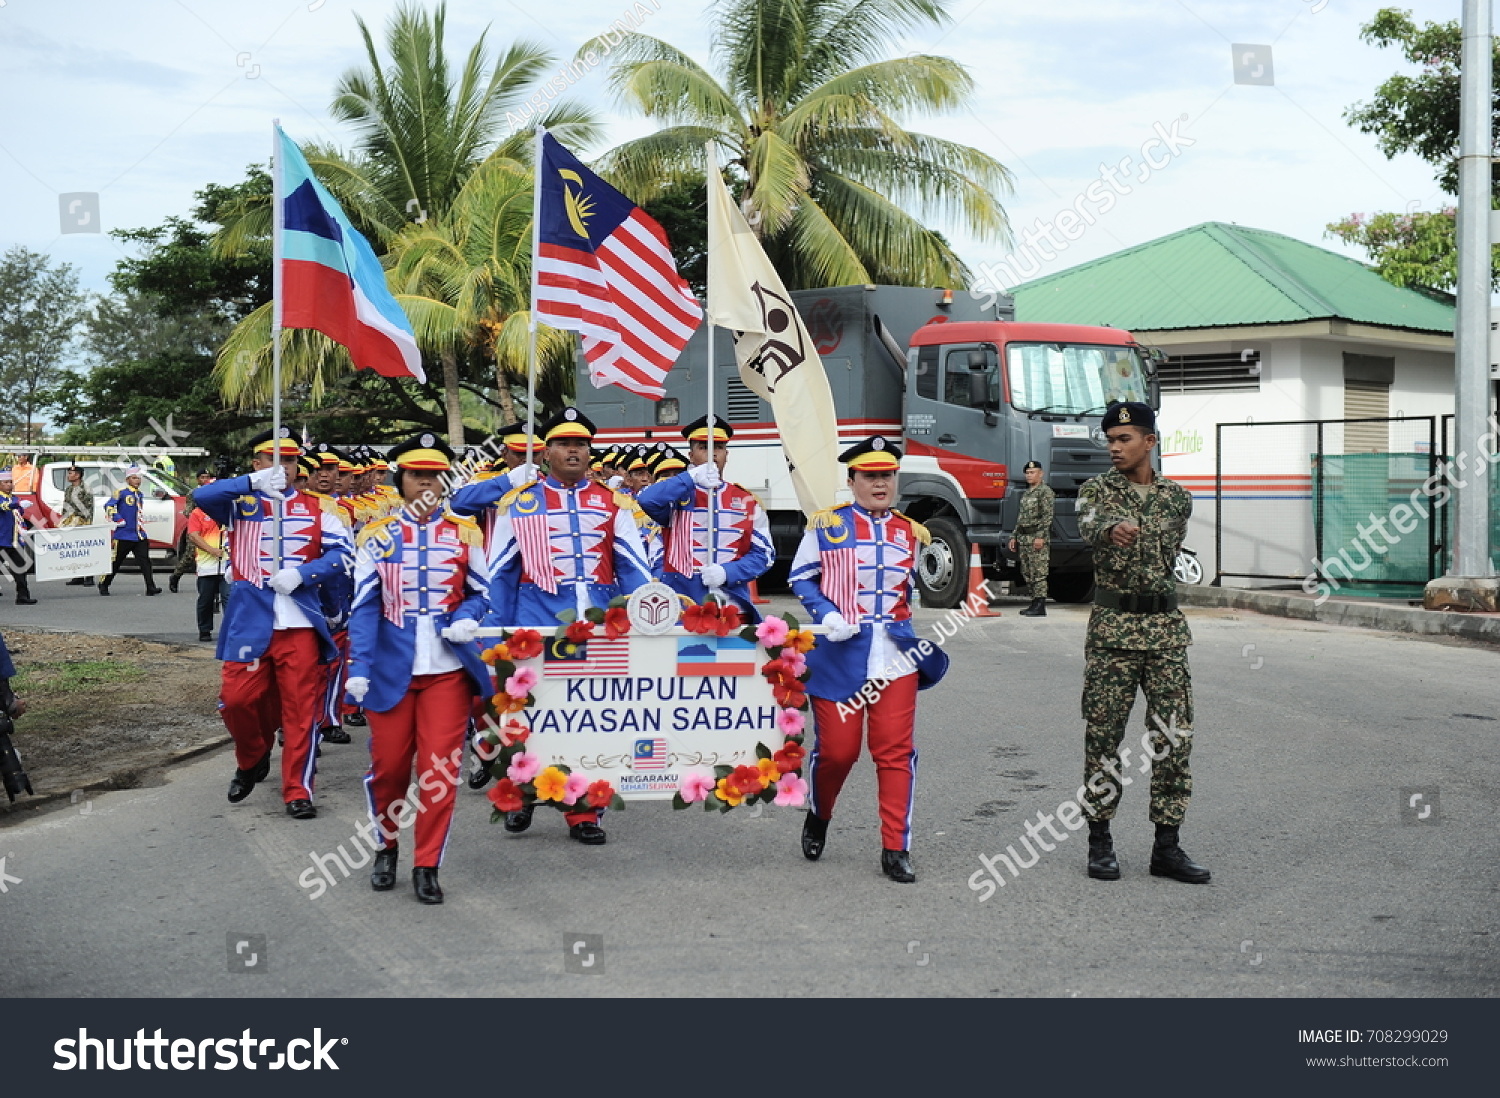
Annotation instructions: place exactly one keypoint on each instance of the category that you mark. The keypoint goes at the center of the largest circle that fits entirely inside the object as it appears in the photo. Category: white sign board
(639, 711)
(68, 552)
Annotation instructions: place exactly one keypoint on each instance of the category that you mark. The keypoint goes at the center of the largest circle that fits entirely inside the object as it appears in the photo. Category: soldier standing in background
(1033, 538)
(1135, 520)
(78, 510)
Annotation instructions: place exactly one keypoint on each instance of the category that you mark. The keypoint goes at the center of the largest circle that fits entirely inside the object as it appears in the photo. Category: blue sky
(147, 101)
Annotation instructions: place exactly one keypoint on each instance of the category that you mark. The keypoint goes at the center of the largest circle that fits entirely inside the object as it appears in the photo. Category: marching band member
(853, 574)
(742, 549)
(275, 639)
(337, 595)
(563, 543)
(126, 509)
(420, 586)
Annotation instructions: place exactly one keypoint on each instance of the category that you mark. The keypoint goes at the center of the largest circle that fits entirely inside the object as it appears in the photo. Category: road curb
(1367, 615)
(118, 780)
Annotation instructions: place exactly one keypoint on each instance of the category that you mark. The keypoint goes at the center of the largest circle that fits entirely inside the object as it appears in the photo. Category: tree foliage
(41, 309)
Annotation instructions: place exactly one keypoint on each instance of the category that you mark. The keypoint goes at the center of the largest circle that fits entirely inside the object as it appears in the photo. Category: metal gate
(1291, 504)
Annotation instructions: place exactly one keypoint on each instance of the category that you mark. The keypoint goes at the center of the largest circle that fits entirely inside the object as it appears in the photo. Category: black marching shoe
(1037, 609)
(1170, 860)
(335, 734)
(25, 600)
(205, 636)
(357, 719)
(814, 835)
(1103, 865)
(104, 588)
(383, 876)
(153, 591)
(424, 884)
(896, 864)
(517, 822)
(301, 810)
(588, 832)
(245, 780)
(480, 776)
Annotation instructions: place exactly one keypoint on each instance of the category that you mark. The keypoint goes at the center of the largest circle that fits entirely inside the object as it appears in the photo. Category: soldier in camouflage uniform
(1137, 639)
(1033, 538)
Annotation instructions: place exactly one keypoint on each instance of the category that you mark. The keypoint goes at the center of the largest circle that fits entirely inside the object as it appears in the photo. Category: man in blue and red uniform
(563, 543)
(742, 548)
(420, 593)
(126, 510)
(15, 554)
(275, 640)
(336, 593)
(853, 574)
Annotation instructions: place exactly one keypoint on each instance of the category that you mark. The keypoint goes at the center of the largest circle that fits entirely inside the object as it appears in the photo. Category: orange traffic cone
(977, 598)
(755, 595)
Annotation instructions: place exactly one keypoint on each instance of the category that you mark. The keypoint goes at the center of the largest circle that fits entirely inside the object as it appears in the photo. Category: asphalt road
(1307, 737)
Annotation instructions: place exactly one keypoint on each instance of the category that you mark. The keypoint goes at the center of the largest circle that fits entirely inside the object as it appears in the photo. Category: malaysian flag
(592, 658)
(603, 268)
(650, 755)
(841, 581)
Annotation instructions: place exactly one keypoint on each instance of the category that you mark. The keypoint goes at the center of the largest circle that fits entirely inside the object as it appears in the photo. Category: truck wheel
(943, 565)
(1071, 586)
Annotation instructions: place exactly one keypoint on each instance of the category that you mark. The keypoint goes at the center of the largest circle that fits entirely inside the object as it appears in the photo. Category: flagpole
(536, 243)
(711, 551)
(277, 218)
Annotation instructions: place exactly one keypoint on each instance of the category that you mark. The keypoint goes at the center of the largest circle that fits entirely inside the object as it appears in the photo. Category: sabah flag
(329, 277)
(603, 269)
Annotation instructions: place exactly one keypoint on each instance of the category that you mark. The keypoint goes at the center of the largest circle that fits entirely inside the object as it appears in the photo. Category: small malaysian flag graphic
(651, 754)
(596, 657)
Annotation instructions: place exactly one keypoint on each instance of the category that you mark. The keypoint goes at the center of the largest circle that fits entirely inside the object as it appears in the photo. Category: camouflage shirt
(1035, 517)
(1144, 568)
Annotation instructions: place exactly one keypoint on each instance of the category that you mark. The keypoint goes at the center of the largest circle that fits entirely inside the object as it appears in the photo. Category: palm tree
(424, 128)
(807, 111)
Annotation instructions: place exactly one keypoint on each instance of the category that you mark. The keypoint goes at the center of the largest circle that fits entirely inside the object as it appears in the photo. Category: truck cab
(982, 399)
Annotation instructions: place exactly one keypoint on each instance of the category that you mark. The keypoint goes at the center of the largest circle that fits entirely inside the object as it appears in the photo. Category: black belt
(1133, 603)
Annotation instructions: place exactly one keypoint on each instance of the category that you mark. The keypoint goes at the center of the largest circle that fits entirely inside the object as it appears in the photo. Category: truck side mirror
(979, 397)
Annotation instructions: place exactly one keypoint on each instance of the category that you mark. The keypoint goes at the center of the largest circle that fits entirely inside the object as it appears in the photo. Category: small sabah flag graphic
(598, 657)
(715, 656)
(650, 754)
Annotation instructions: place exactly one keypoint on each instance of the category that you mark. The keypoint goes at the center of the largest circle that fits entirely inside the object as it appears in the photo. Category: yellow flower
(723, 792)
(550, 784)
(801, 640)
(768, 771)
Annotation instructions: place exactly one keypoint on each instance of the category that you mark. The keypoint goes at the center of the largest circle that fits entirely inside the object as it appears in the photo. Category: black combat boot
(1037, 609)
(1170, 860)
(1103, 865)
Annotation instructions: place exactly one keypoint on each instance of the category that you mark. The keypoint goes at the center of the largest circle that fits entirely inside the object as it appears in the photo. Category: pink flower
(791, 791)
(523, 767)
(796, 662)
(791, 722)
(520, 684)
(771, 632)
(695, 786)
(577, 786)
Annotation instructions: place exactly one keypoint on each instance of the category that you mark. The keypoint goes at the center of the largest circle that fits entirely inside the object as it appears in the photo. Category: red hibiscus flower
(506, 796)
(746, 780)
(580, 631)
(789, 758)
(514, 733)
(525, 644)
(599, 794)
(729, 620)
(774, 670)
(616, 622)
(790, 696)
(701, 619)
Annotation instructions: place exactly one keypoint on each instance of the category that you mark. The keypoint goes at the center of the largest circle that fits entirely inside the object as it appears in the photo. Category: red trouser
(836, 749)
(288, 673)
(427, 725)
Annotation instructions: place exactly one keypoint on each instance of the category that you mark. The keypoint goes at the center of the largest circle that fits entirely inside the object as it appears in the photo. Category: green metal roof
(1215, 275)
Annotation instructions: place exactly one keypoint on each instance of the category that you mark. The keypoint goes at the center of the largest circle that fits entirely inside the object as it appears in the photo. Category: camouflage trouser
(1034, 566)
(1110, 679)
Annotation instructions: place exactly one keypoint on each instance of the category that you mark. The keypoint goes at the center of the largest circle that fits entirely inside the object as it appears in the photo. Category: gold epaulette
(371, 528)
(829, 516)
(468, 530)
(923, 534)
(331, 506)
(627, 503)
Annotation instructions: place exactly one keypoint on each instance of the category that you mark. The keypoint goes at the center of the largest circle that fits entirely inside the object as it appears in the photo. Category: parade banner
(68, 552)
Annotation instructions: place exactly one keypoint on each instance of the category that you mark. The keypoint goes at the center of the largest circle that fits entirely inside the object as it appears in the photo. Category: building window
(1211, 373)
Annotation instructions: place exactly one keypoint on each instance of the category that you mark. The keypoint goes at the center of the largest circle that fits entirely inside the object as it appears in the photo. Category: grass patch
(67, 677)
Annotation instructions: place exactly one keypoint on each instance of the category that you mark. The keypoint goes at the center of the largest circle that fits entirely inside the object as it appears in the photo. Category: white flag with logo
(775, 354)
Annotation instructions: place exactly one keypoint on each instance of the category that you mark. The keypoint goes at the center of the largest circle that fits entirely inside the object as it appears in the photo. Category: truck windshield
(1072, 378)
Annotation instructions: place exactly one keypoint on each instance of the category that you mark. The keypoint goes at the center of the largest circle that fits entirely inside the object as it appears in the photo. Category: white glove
(461, 631)
(838, 628)
(271, 479)
(615, 481)
(713, 575)
(705, 475)
(525, 471)
(357, 688)
(286, 581)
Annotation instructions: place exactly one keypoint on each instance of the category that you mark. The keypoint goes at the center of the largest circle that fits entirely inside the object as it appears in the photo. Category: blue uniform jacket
(12, 520)
(250, 617)
(661, 501)
(471, 500)
(124, 510)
